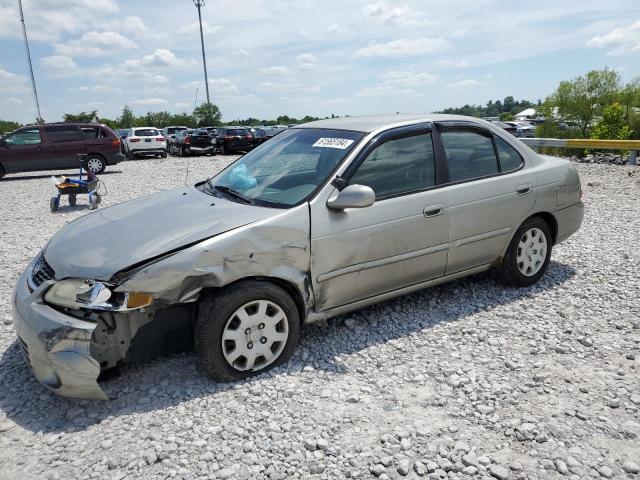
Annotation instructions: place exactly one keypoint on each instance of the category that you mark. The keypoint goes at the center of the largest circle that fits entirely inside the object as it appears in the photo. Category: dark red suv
(55, 146)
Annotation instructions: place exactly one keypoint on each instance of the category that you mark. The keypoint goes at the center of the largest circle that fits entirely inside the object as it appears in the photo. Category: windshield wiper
(233, 193)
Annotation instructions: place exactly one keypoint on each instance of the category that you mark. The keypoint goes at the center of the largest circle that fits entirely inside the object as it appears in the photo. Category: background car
(233, 140)
(523, 129)
(169, 133)
(55, 146)
(509, 128)
(190, 142)
(144, 141)
(259, 135)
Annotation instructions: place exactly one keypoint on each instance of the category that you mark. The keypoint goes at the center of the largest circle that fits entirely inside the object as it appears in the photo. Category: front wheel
(528, 255)
(246, 329)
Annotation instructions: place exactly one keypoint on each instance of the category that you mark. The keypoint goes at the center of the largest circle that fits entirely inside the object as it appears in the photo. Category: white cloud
(404, 47)
(382, 12)
(161, 58)
(382, 91)
(276, 70)
(95, 44)
(11, 101)
(11, 82)
(467, 82)
(150, 101)
(181, 105)
(223, 86)
(621, 40)
(306, 61)
(59, 65)
(105, 89)
(338, 29)
(289, 86)
(195, 28)
(408, 79)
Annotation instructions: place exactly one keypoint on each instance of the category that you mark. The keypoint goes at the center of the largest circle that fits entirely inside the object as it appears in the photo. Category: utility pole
(199, 4)
(26, 43)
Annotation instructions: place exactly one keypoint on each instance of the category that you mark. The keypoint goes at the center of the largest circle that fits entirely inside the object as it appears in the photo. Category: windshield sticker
(340, 143)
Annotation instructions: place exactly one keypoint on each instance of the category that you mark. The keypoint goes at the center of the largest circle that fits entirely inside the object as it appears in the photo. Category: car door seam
(483, 236)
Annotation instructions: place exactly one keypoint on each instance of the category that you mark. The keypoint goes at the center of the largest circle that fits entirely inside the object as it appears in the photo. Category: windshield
(286, 170)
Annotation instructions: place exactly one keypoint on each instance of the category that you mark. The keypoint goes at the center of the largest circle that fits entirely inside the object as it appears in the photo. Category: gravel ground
(465, 380)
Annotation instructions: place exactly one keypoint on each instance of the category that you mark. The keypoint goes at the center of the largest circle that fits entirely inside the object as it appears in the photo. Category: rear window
(470, 154)
(61, 134)
(146, 132)
(238, 132)
(202, 131)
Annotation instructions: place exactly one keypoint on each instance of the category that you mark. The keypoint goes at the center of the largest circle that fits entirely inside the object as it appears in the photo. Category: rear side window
(398, 167)
(92, 132)
(61, 134)
(29, 136)
(470, 154)
(510, 159)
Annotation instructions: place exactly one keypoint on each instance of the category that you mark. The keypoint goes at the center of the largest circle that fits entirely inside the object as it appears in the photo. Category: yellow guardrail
(631, 145)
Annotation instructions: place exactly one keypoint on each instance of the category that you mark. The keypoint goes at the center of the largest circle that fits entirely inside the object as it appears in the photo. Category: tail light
(116, 143)
(134, 140)
(159, 139)
(249, 136)
(187, 140)
(228, 137)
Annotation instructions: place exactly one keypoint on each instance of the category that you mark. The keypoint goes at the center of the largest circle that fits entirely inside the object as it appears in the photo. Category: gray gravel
(465, 380)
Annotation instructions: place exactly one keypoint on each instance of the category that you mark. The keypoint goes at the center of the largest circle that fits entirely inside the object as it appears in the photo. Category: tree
(207, 115)
(506, 116)
(613, 125)
(82, 117)
(126, 119)
(7, 126)
(582, 99)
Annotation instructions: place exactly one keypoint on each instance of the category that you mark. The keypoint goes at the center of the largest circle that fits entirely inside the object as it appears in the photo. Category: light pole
(26, 44)
(199, 4)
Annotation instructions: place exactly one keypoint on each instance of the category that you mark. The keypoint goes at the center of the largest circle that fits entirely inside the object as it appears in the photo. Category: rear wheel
(163, 155)
(246, 329)
(2, 173)
(131, 155)
(528, 255)
(95, 164)
(72, 200)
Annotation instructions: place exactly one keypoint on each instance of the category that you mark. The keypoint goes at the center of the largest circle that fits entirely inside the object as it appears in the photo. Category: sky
(272, 57)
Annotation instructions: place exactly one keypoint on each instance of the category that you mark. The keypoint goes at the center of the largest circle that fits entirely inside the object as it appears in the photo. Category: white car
(145, 141)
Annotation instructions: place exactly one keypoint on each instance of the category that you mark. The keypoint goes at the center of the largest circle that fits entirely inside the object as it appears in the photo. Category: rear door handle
(433, 210)
(523, 189)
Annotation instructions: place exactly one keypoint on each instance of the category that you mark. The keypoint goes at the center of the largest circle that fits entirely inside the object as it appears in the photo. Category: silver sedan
(325, 218)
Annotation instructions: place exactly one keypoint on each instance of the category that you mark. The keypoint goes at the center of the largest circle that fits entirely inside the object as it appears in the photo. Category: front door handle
(523, 189)
(433, 210)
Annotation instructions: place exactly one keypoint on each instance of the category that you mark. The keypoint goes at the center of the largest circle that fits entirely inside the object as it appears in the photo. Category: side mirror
(352, 196)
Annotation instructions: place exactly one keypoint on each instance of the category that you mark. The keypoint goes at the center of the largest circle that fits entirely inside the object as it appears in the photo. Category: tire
(2, 172)
(217, 319)
(72, 200)
(54, 204)
(163, 155)
(131, 155)
(528, 255)
(94, 164)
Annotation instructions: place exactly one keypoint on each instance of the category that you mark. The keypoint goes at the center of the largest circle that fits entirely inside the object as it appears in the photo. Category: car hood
(99, 245)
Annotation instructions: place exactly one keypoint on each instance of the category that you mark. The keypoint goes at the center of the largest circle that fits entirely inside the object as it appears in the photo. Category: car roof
(370, 123)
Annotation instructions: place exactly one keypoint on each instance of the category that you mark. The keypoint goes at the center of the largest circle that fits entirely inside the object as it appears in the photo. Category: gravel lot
(465, 380)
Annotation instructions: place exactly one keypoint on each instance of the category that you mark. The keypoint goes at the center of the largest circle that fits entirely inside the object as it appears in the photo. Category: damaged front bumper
(56, 346)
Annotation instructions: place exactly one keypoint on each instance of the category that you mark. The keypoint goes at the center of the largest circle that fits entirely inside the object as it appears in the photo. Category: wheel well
(550, 220)
(94, 154)
(289, 287)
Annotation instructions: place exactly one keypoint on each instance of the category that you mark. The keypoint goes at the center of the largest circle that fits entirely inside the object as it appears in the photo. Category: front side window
(286, 170)
(30, 136)
(398, 167)
(470, 154)
(510, 159)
